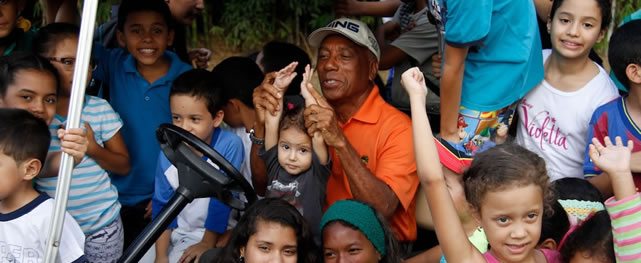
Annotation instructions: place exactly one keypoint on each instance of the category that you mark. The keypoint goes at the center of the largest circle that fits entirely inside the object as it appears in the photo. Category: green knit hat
(359, 215)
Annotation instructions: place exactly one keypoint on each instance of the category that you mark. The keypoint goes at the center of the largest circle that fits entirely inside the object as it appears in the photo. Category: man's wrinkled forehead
(348, 44)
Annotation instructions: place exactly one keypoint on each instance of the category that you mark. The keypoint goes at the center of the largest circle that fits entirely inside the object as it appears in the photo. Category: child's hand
(614, 159)
(414, 82)
(305, 85)
(193, 253)
(200, 57)
(285, 76)
(74, 142)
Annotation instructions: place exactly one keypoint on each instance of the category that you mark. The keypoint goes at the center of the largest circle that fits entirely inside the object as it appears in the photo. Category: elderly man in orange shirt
(370, 141)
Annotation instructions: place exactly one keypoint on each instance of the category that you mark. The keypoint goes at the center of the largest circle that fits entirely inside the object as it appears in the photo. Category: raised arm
(625, 207)
(320, 148)
(281, 81)
(449, 230)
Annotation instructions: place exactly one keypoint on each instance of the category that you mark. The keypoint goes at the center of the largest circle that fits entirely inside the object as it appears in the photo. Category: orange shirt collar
(370, 111)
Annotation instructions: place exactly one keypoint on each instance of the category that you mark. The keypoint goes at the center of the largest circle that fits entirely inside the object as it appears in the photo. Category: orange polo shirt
(382, 136)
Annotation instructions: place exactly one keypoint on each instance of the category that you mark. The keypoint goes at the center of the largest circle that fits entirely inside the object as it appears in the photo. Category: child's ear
(170, 37)
(549, 24)
(234, 104)
(31, 168)
(633, 71)
(218, 118)
(121, 38)
(601, 35)
(476, 214)
(549, 243)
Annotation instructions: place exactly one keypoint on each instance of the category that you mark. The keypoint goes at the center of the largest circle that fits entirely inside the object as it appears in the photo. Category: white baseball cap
(355, 30)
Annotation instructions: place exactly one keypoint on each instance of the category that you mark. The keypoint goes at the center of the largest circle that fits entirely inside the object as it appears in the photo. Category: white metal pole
(83, 56)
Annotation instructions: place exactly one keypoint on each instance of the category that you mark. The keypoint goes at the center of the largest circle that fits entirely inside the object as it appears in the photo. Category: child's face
(9, 14)
(512, 221)
(575, 28)
(272, 242)
(9, 175)
(294, 151)
(146, 36)
(345, 244)
(191, 114)
(34, 91)
(63, 58)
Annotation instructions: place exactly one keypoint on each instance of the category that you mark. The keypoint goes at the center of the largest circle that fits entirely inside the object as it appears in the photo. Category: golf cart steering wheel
(226, 186)
(197, 178)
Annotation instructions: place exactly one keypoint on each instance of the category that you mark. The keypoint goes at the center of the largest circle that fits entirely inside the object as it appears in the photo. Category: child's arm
(193, 253)
(625, 207)
(283, 78)
(451, 86)
(162, 247)
(73, 142)
(113, 157)
(450, 232)
(320, 148)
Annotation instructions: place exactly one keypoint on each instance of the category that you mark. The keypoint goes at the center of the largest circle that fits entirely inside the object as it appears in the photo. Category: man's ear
(633, 71)
(373, 68)
(549, 243)
(30, 168)
(218, 118)
(121, 38)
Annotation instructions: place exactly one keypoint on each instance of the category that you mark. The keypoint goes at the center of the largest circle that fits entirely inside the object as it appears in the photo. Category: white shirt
(23, 234)
(554, 123)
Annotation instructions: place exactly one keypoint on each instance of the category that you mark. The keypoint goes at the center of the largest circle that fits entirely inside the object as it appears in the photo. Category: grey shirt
(305, 191)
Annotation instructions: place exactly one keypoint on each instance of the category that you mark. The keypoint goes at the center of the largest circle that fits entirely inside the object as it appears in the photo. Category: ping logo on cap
(345, 24)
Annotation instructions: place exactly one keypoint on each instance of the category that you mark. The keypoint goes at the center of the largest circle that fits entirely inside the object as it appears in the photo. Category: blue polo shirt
(143, 106)
(504, 60)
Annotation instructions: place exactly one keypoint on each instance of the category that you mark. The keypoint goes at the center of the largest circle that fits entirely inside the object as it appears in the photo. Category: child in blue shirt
(139, 78)
(196, 106)
(622, 116)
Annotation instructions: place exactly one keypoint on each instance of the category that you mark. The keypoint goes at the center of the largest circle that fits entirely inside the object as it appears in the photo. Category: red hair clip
(290, 106)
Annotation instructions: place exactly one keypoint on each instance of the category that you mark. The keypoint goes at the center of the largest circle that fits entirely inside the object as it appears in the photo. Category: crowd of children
(561, 186)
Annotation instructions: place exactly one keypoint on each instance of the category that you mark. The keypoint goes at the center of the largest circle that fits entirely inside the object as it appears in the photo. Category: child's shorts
(478, 131)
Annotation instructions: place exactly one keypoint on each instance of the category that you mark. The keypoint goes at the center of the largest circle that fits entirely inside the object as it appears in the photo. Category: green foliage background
(244, 25)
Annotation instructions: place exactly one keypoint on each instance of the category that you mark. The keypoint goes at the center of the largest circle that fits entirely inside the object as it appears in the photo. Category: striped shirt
(626, 227)
(93, 200)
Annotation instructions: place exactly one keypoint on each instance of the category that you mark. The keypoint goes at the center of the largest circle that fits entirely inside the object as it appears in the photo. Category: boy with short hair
(25, 214)
(622, 116)
(140, 78)
(238, 77)
(196, 106)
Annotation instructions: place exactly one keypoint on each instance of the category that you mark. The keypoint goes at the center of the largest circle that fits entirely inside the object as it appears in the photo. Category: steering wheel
(177, 144)
(197, 178)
